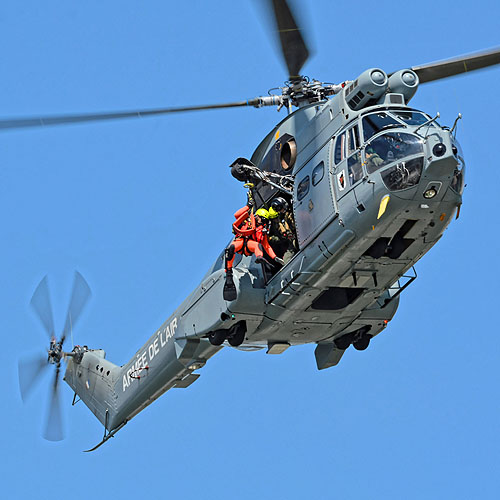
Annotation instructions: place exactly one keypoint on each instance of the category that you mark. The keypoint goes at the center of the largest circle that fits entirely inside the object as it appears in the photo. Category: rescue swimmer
(251, 237)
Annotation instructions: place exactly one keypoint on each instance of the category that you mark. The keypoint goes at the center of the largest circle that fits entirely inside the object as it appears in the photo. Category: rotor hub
(55, 352)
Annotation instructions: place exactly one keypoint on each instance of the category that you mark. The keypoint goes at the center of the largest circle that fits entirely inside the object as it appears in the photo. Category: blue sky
(142, 207)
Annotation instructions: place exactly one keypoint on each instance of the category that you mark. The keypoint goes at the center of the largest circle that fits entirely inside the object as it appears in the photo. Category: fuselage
(374, 190)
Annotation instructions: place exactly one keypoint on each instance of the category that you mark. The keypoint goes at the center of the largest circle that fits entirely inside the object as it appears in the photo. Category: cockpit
(378, 141)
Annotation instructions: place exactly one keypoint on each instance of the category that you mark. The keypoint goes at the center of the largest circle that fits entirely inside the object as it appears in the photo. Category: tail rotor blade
(54, 427)
(30, 372)
(42, 306)
(80, 294)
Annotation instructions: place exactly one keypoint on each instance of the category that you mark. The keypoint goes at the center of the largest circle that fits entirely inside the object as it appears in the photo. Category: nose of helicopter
(440, 152)
(440, 165)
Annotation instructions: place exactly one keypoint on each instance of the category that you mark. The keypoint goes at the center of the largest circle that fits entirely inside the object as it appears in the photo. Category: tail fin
(93, 379)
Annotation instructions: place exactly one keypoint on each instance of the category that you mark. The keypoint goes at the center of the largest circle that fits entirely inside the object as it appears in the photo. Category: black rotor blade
(80, 294)
(42, 121)
(30, 371)
(54, 427)
(42, 306)
(457, 65)
(293, 46)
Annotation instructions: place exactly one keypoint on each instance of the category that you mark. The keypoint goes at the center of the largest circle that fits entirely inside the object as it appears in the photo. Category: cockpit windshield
(389, 148)
(375, 122)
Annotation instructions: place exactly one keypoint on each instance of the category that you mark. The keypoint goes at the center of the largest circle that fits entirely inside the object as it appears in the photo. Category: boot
(229, 293)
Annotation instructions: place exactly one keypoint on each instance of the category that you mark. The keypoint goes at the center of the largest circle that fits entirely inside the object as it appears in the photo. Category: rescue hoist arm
(245, 171)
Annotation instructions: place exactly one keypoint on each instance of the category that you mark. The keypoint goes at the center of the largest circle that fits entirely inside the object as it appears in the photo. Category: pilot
(250, 238)
(373, 160)
(282, 229)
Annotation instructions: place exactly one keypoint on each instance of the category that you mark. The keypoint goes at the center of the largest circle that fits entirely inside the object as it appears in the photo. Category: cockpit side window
(376, 122)
(339, 148)
(352, 140)
(318, 173)
(303, 188)
(354, 168)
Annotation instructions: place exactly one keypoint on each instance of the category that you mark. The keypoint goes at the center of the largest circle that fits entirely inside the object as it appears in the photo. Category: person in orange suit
(250, 238)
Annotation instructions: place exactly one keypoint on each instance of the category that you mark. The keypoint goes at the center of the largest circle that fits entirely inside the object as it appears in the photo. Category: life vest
(244, 226)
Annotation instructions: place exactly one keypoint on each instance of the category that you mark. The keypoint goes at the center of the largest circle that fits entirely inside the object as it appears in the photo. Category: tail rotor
(31, 369)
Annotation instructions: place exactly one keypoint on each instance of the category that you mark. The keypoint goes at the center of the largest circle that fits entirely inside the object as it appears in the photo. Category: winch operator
(282, 229)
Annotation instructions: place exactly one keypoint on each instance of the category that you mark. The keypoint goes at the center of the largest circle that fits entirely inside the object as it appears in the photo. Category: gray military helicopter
(370, 185)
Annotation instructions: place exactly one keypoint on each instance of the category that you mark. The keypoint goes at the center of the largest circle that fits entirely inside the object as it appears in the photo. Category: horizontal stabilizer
(327, 355)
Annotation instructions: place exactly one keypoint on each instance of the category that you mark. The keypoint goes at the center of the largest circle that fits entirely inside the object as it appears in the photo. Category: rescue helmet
(262, 212)
(279, 204)
(272, 213)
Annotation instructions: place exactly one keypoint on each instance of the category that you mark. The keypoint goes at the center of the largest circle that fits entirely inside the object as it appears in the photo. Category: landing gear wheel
(237, 338)
(362, 343)
(343, 342)
(217, 337)
(237, 334)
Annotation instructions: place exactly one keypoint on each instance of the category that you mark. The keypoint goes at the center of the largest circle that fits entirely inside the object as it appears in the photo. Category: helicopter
(360, 229)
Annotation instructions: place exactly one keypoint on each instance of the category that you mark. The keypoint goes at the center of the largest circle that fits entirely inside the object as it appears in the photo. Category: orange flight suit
(250, 238)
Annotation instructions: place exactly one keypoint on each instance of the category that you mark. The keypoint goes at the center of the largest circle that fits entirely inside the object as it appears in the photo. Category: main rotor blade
(457, 65)
(293, 46)
(42, 306)
(54, 427)
(30, 371)
(80, 294)
(42, 121)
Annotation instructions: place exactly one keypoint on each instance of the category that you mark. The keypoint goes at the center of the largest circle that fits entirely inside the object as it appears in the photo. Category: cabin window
(376, 122)
(303, 188)
(318, 173)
